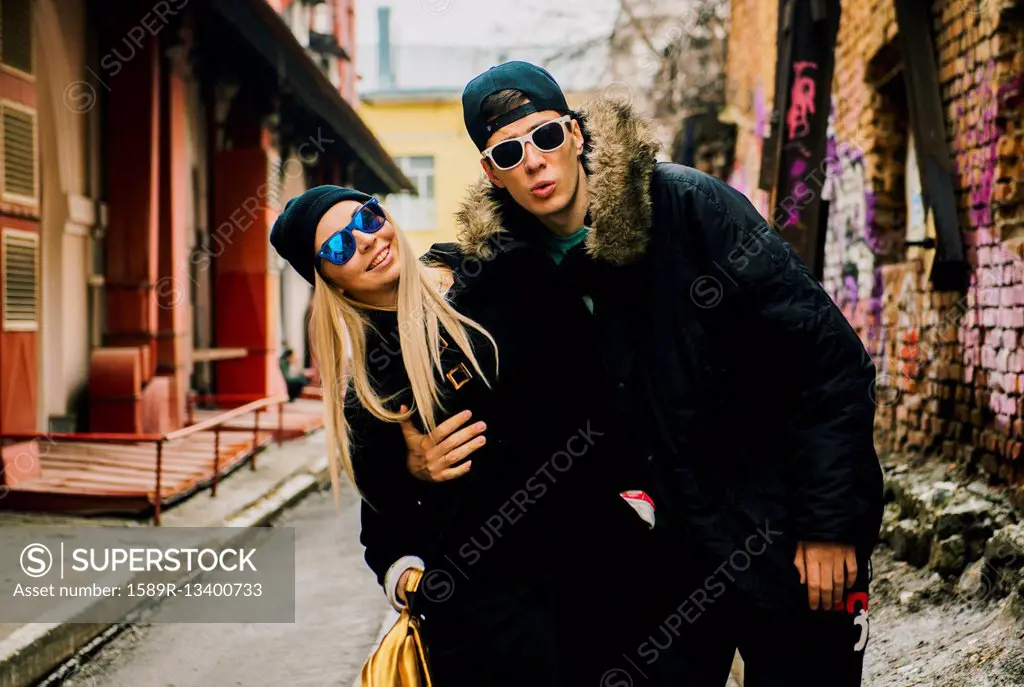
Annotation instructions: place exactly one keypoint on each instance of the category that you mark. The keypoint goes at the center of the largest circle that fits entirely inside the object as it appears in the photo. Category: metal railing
(255, 407)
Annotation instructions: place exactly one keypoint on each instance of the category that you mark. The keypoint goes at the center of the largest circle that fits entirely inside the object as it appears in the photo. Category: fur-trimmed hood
(618, 187)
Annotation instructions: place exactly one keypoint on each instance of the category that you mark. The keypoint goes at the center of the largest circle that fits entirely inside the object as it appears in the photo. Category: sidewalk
(247, 498)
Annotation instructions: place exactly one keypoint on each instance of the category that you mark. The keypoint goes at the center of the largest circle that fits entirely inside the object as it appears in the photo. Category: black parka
(740, 380)
(509, 546)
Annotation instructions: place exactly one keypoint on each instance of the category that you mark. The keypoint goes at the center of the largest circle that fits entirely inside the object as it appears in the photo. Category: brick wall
(750, 82)
(950, 364)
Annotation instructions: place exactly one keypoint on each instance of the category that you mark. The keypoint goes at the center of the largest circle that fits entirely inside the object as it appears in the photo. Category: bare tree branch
(635, 23)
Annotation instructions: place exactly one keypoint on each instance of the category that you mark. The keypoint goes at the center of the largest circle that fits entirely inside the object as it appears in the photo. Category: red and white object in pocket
(642, 503)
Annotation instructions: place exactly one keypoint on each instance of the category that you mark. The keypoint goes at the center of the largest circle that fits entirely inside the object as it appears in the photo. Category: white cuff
(394, 574)
(642, 503)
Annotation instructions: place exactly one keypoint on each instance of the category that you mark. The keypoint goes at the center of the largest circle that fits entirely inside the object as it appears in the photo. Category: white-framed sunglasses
(546, 137)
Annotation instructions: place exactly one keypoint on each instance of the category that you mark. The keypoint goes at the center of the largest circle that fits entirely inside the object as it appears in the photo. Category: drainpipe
(385, 70)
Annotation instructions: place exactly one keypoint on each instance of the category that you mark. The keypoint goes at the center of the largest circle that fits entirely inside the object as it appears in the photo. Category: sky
(486, 22)
(442, 43)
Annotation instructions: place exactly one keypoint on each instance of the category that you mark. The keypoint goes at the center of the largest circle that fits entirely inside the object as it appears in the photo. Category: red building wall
(246, 293)
(18, 349)
(19, 379)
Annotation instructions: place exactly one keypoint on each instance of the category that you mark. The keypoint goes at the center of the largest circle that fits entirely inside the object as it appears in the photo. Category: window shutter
(16, 34)
(19, 154)
(20, 280)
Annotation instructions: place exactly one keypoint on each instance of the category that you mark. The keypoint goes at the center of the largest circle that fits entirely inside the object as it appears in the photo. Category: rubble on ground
(967, 534)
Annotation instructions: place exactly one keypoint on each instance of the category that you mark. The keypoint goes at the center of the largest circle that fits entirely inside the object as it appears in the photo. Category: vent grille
(19, 154)
(20, 280)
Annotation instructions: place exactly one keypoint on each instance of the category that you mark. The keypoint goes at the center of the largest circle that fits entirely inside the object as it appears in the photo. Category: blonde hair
(338, 328)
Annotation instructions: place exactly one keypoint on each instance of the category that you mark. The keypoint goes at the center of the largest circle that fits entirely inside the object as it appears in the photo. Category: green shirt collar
(558, 246)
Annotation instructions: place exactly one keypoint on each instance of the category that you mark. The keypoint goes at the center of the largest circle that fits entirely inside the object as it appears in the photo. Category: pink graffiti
(760, 111)
(801, 98)
(801, 106)
(979, 138)
(792, 216)
(800, 192)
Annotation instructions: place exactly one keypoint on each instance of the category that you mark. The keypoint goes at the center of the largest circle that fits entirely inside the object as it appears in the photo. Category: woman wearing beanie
(528, 556)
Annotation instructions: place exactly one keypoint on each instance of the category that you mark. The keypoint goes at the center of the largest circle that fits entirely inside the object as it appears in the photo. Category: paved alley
(339, 609)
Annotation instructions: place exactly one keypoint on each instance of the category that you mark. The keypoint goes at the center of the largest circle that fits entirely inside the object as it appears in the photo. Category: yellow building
(424, 132)
(411, 98)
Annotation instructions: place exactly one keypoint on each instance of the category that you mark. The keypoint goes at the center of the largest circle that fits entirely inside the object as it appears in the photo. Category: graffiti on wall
(974, 126)
(746, 168)
(805, 86)
(801, 99)
(998, 278)
(850, 247)
(989, 335)
(849, 258)
(798, 127)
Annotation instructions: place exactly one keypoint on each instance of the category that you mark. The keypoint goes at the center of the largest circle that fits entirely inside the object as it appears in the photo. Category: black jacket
(742, 382)
(541, 501)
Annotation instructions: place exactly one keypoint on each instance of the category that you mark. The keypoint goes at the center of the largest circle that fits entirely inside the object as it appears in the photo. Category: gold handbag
(400, 660)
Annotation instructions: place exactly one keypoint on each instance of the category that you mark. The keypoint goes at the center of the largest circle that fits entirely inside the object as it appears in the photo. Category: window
(415, 212)
(16, 35)
(20, 280)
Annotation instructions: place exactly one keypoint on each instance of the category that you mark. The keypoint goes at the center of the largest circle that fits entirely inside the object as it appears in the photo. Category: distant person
(295, 382)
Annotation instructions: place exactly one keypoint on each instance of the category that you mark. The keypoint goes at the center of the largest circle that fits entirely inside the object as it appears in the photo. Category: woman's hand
(438, 456)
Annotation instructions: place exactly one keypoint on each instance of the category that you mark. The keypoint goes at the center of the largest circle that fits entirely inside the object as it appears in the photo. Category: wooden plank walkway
(301, 417)
(94, 478)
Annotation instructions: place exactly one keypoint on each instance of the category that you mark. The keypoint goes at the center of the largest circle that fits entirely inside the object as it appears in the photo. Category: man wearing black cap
(735, 375)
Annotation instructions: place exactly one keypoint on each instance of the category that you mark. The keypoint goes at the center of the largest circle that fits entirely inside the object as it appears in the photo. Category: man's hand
(436, 457)
(825, 569)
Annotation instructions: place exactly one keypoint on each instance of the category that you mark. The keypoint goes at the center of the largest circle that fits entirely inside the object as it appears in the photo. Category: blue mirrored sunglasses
(341, 245)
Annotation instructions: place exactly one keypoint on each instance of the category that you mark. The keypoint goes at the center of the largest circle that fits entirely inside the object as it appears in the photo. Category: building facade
(147, 150)
(949, 357)
(425, 134)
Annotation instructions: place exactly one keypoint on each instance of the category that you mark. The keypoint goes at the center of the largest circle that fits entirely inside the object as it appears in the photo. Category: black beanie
(293, 235)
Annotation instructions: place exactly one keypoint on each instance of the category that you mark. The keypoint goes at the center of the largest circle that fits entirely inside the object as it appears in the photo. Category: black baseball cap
(538, 85)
